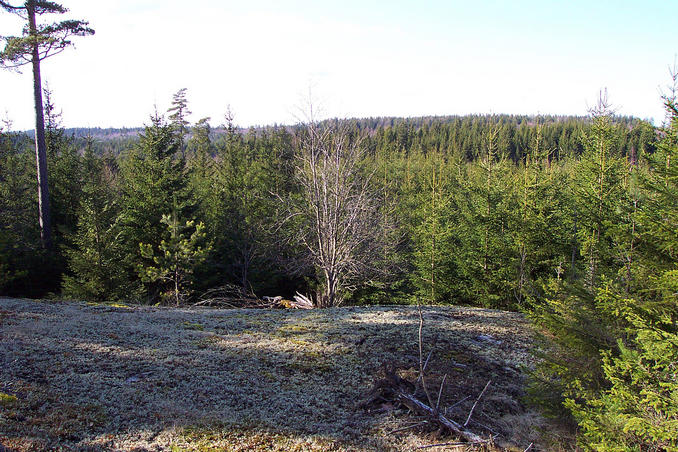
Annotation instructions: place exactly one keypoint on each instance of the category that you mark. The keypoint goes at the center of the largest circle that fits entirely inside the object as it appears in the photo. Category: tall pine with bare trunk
(38, 42)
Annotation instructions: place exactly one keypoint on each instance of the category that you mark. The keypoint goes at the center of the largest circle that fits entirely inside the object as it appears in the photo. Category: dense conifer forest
(569, 220)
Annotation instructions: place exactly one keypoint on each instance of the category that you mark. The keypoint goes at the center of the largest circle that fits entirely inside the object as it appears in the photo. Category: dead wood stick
(407, 428)
(476, 403)
(423, 369)
(428, 357)
(414, 404)
(529, 447)
(458, 403)
(440, 391)
(428, 446)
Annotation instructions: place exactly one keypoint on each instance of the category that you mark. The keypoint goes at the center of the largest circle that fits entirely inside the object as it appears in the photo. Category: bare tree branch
(335, 216)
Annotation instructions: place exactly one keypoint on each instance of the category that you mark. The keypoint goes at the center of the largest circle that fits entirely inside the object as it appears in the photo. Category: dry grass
(87, 377)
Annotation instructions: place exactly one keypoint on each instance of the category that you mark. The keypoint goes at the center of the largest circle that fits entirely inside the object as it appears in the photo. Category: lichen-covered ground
(82, 377)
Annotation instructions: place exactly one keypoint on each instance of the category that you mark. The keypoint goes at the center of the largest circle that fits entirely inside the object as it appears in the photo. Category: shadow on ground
(101, 377)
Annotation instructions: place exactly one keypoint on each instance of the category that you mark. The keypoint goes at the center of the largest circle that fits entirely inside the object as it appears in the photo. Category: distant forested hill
(560, 134)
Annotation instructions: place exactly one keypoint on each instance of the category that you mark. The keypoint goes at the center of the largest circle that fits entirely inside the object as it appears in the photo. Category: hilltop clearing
(101, 377)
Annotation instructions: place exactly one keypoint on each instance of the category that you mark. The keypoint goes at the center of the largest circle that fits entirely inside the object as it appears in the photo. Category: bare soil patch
(84, 377)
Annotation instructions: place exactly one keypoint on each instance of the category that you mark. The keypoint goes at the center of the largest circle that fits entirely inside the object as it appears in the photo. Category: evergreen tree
(178, 114)
(433, 236)
(599, 191)
(539, 224)
(20, 249)
(40, 41)
(241, 215)
(66, 180)
(96, 253)
(638, 410)
(485, 210)
(178, 254)
(153, 183)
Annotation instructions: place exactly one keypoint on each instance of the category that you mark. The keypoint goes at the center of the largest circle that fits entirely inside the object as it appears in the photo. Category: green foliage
(639, 411)
(432, 236)
(176, 257)
(611, 352)
(47, 39)
(66, 176)
(153, 182)
(178, 113)
(238, 189)
(19, 246)
(96, 252)
(599, 193)
(486, 206)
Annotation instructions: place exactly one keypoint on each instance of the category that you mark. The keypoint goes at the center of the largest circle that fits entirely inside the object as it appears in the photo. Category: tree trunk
(40, 146)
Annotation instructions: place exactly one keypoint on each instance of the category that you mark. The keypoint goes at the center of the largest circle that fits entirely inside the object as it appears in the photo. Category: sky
(356, 58)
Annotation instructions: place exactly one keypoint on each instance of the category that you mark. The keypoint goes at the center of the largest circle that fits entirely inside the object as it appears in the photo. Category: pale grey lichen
(106, 377)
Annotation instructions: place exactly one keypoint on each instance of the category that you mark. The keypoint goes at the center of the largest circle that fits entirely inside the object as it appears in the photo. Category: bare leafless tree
(335, 216)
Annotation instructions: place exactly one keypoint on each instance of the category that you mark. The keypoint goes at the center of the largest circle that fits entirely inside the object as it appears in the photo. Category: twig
(428, 446)
(461, 401)
(468, 419)
(485, 427)
(407, 428)
(428, 358)
(529, 447)
(423, 369)
(440, 391)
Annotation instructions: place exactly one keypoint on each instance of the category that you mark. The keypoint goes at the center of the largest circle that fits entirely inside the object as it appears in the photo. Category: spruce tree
(433, 235)
(20, 248)
(638, 410)
(153, 183)
(95, 252)
(599, 190)
(485, 210)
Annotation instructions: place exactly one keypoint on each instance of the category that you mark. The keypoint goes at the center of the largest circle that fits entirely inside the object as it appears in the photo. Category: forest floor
(75, 376)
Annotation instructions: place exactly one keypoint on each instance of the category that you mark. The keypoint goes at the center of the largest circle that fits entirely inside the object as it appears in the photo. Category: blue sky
(361, 58)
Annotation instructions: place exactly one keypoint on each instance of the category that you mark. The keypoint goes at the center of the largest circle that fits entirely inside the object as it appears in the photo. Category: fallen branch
(418, 424)
(428, 446)
(468, 419)
(415, 405)
(458, 403)
(301, 302)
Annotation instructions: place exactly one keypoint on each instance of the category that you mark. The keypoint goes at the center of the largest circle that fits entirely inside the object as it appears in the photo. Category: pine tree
(40, 41)
(178, 114)
(176, 257)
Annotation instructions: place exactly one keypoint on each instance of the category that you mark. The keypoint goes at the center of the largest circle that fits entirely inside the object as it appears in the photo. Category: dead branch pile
(392, 390)
(234, 297)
